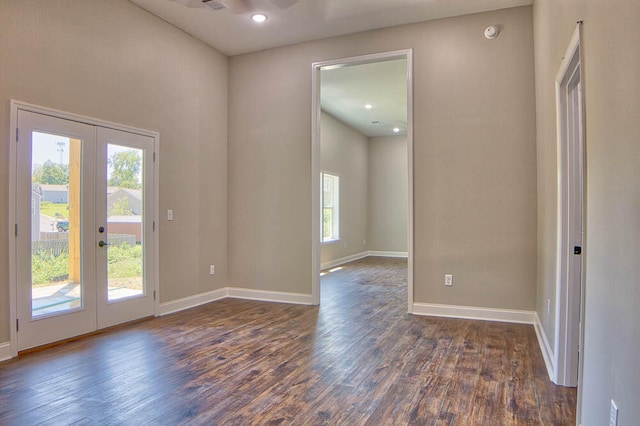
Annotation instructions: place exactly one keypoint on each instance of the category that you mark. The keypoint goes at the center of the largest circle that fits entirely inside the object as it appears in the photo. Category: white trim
(269, 296)
(191, 301)
(403, 254)
(13, 176)
(5, 351)
(357, 256)
(233, 293)
(475, 313)
(341, 261)
(409, 55)
(545, 348)
(24, 106)
(156, 221)
(315, 162)
(316, 223)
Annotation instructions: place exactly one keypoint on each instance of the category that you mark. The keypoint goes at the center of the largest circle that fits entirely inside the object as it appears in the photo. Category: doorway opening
(362, 162)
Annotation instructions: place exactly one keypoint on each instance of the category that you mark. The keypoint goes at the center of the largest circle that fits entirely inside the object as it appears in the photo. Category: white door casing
(315, 162)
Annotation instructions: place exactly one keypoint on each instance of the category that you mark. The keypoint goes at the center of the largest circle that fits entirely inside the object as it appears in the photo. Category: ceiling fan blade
(283, 4)
(189, 3)
(231, 6)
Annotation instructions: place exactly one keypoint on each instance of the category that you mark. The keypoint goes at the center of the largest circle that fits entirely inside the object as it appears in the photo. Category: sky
(46, 146)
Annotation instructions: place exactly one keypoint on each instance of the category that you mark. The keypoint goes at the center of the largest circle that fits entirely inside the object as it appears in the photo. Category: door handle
(102, 243)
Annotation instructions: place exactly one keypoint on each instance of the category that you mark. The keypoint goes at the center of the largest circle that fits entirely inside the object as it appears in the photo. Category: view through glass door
(84, 228)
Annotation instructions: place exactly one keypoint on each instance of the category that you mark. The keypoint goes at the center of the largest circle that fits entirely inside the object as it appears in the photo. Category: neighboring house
(131, 225)
(55, 193)
(35, 216)
(133, 197)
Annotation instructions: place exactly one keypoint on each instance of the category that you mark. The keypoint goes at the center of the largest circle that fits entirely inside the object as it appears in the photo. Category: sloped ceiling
(304, 20)
(346, 90)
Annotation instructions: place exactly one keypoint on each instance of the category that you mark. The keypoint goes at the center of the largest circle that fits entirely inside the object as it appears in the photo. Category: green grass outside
(123, 261)
(50, 209)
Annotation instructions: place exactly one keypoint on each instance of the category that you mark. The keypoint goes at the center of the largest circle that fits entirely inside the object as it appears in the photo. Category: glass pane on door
(56, 276)
(125, 189)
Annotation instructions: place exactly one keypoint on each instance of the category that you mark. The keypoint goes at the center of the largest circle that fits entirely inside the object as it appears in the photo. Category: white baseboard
(476, 313)
(191, 301)
(343, 260)
(5, 351)
(403, 254)
(269, 296)
(545, 348)
(234, 293)
(361, 255)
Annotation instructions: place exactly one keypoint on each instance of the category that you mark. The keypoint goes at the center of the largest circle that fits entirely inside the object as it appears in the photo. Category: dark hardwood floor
(357, 359)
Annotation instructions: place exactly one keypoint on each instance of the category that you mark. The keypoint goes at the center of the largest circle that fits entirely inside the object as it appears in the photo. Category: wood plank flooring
(358, 359)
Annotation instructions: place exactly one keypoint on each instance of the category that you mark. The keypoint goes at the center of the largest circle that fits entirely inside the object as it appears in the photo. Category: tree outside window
(330, 207)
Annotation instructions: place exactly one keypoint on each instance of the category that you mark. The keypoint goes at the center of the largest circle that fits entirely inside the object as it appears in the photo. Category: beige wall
(344, 152)
(388, 194)
(112, 60)
(475, 159)
(612, 100)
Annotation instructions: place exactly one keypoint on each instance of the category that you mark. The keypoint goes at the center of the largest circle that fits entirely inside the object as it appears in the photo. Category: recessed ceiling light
(396, 130)
(368, 106)
(259, 17)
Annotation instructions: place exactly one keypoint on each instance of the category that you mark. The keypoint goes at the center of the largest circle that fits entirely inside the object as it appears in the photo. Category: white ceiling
(235, 33)
(345, 92)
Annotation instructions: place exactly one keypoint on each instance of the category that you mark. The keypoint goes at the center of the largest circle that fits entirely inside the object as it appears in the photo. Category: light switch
(169, 214)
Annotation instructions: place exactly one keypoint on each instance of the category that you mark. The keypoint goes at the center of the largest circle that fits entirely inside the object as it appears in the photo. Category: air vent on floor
(215, 5)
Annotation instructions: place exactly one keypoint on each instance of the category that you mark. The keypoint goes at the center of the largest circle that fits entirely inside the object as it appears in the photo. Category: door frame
(569, 309)
(315, 161)
(15, 106)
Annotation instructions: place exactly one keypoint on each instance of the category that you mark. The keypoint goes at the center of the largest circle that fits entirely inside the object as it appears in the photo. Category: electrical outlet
(448, 280)
(169, 214)
(212, 269)
(613, 414)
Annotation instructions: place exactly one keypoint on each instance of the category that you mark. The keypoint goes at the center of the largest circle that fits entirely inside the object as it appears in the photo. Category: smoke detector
(491, 32)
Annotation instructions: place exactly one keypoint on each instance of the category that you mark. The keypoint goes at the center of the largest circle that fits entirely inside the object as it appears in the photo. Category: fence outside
(58, 246)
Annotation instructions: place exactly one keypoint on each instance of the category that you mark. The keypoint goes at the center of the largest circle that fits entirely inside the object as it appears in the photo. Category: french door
(84, 228)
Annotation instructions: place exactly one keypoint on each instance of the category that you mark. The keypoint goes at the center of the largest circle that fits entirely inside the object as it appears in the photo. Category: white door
(83, 228)
(569, 291)
(56, 292)
(124, 182)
